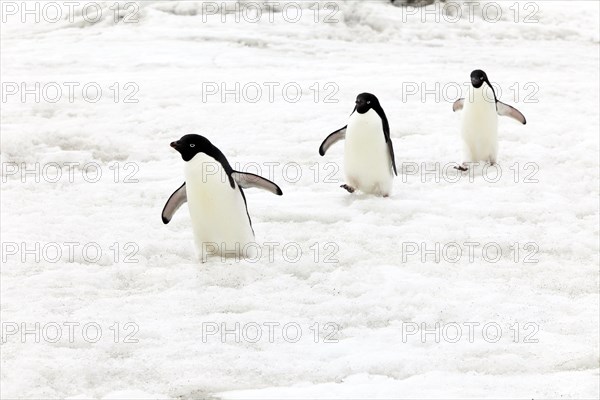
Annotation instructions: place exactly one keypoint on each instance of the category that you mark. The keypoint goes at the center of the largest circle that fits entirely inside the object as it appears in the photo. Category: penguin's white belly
(480, 128)
(367, 160)
(217, 210)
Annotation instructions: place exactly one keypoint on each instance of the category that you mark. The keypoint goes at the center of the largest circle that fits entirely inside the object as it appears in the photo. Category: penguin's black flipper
(458, 105)
(509, 111)
(246, 180)
(175, 201)
(388, 138)
(335, 137)
(391, 150)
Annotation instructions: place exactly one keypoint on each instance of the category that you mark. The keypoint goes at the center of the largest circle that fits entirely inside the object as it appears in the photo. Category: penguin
(480, 121)
(215, 197)
(369, 162)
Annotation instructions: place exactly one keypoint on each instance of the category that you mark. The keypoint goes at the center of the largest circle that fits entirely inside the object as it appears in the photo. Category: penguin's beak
(176, 145)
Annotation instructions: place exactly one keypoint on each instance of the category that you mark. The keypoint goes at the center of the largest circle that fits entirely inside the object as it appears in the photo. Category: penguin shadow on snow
(358, 198)
(230, 272)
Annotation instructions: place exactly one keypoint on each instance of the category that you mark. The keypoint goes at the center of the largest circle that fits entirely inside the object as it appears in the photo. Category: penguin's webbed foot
(463, 167)
(350, 189)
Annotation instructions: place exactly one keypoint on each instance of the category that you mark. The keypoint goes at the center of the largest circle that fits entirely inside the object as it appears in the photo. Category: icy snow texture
(370, 292)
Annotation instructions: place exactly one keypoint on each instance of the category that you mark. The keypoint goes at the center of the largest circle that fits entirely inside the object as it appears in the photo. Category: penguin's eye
(368, 102)
(481, 78)
(192, 145)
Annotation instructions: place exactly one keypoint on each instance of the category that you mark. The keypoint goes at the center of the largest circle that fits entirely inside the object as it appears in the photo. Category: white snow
(373, 290)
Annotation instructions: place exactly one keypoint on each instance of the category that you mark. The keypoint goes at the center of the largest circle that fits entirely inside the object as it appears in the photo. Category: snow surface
(371, 292)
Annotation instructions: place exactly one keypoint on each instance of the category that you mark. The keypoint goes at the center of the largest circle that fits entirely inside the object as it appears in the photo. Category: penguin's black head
(190, 145)
(366, 101)
(478, 77)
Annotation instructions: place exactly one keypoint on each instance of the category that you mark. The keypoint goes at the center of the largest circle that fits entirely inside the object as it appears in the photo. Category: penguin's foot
(463, 167)
(350, 189)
